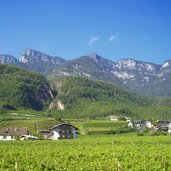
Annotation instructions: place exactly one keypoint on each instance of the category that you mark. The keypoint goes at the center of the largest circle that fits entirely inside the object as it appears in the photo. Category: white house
(164, 125)
(143, 124)
(60, 131)
(12, 133)
(6, 137)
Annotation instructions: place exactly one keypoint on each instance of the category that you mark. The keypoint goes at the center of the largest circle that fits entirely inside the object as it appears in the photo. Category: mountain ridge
(32, 60)
(130, 74)
(138, 76)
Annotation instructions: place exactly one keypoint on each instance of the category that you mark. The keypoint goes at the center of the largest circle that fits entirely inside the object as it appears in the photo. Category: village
(160, 125)
(60, 131)
(68, 131)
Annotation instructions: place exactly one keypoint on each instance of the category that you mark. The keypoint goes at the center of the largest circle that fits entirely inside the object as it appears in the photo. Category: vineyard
(102, 127)
(88, 153)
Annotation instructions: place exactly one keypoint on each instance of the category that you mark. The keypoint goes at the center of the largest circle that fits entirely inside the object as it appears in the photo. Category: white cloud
(93, 40)
(113, 37)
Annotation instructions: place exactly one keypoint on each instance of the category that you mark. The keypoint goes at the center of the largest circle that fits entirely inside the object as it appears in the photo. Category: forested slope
(95, 99)
(22, 89)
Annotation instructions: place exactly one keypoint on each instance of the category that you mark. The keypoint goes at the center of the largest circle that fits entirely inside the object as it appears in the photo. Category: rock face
(8, 59)
(35, 56)
(33, 60)
(39, 62)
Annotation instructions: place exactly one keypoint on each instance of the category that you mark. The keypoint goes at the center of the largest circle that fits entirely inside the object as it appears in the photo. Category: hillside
(82, 97)
(137, 76)
(22, 89)
(96, 68)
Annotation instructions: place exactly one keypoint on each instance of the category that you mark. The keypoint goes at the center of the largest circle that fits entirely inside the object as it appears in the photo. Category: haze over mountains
(138, 76)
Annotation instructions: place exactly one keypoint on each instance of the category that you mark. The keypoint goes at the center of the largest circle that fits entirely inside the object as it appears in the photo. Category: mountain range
(73, 97)
(137, 76)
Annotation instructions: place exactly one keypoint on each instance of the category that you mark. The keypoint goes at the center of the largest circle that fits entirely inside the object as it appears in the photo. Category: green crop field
(88, 153)
(101, 126)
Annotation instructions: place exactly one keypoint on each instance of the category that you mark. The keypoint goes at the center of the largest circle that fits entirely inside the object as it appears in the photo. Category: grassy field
(101, 126)
(22, 115)
(88, 153)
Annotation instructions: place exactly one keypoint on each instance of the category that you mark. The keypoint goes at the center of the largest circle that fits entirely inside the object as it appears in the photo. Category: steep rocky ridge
(39, 62)
(32, 60)
(8, 59)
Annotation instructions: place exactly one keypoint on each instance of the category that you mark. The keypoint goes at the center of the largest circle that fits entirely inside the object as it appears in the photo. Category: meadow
(89, 153)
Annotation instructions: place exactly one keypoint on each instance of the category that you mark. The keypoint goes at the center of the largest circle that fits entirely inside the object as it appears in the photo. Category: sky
(114, 29)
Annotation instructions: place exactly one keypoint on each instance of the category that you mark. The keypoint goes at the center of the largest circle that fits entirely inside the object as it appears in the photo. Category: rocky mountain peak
(36, 56)
(38, 61)
(166, 65)
(166, 68)
(96, 57)
(30, 54)
(7, 59)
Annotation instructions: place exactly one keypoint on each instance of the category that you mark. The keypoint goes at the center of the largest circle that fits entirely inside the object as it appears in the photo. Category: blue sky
(114, 29)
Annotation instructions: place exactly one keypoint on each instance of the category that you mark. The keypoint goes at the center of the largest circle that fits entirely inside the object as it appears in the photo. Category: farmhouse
(143, 124)
(60, 131)
(164, 125)
(12, 133)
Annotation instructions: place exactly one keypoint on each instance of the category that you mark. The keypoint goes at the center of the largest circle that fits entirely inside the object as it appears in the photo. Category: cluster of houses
(60, 131)
(68, 131)
(162, 125)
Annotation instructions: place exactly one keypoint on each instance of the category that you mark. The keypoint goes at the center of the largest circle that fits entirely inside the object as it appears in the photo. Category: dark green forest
(22, 89)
